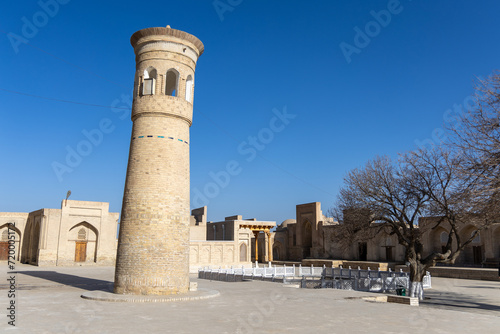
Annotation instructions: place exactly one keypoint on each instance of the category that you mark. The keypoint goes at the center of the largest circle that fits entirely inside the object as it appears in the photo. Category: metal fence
(318, 277)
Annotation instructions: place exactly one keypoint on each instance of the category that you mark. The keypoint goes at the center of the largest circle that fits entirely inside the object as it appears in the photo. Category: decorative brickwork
(153, 246)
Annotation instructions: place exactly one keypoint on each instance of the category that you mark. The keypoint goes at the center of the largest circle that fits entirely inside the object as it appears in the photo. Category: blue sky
(261, 59)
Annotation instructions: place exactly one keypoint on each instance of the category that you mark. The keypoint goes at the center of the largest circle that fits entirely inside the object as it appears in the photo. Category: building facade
(232, 242)
(80, 233)
(313, 236)
(84, 233)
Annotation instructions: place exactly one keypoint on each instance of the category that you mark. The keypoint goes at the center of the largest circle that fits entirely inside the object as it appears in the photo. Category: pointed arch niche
(83, 237)
(172, 82)
(4, 242)
(149, 81)
(189, 88)
(243, 252)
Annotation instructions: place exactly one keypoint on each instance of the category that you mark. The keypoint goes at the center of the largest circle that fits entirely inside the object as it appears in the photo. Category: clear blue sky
(262, 56)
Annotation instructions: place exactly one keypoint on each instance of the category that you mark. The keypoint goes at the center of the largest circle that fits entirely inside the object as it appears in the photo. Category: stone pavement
(48, 301)
(464, 295)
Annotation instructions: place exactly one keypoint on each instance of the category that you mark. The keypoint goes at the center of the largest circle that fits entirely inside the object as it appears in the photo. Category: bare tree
(398, 193)
(476, 136)
(453, 201)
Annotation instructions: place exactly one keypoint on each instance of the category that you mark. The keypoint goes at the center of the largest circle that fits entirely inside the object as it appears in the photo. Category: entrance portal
(4, 251)
(389, 256)
(478, 254)
(80, 251)
(362, 251)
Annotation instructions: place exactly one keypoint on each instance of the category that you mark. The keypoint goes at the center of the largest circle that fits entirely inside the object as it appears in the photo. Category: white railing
(266, 271)
(324, 277)
(427, 281)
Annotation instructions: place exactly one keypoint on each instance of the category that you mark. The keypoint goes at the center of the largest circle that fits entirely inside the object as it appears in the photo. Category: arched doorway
(362, 251)
(277, 251)
(85, 238)
(473, 254)
(31, 241)
(4, 245)
(243, 252)
(81, 246)
(438, 240)
(6, 235)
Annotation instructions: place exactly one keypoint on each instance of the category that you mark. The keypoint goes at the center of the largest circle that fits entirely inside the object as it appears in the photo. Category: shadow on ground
(85, 283)
(480, 287)
(459, 302)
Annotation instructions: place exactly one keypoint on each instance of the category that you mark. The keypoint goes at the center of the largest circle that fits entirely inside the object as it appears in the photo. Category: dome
(287, 222)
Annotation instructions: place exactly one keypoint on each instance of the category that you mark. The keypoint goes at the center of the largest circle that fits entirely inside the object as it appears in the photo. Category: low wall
(288, 263)
(485, 274)
(384, 266)
(322, 262)
(213, 254)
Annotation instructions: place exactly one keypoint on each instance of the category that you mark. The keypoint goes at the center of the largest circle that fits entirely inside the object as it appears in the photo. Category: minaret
(153, 244)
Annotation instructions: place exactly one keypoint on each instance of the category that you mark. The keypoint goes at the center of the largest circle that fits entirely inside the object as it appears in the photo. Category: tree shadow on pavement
(461, 302)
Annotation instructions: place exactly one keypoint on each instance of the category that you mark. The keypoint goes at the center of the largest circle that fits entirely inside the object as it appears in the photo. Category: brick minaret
(153, 244)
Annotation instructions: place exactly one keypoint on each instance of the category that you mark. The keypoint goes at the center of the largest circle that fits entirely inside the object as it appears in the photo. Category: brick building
(80, 233)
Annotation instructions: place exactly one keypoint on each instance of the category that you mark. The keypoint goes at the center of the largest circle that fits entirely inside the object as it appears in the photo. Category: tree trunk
(417, 269)
(417, 273)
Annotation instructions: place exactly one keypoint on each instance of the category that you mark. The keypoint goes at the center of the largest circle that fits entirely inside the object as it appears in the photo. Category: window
(171, 82)
(189, 88)
(149, 82)
(82, 234)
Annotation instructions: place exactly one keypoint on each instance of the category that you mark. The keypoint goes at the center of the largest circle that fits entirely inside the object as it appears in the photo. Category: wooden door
(362, 251)
(478, 254)
(388, 254)
(4, 251)
(80, 251)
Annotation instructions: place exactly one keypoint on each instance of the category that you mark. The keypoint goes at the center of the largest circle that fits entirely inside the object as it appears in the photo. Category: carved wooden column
(256, 235)
(269, 247)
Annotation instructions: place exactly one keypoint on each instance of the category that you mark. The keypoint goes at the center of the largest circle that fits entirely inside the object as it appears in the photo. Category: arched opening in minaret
(149, 82)
(171, 82)
(189, 88)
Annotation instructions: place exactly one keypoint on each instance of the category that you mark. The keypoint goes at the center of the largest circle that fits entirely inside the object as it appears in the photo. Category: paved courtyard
(48, 301)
